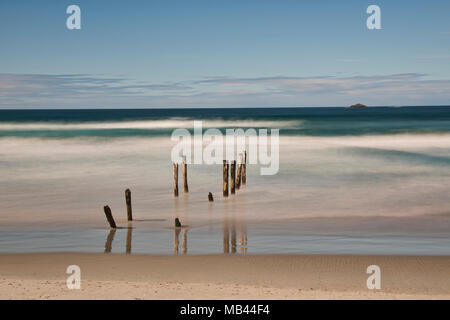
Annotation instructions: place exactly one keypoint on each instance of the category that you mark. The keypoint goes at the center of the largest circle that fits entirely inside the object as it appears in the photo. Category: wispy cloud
(76, 85)
(88, 91)
(350, 60)
(435, 56)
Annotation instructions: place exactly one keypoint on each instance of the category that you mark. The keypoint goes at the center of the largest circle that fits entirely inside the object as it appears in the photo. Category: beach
(113, 276)
(354, 189)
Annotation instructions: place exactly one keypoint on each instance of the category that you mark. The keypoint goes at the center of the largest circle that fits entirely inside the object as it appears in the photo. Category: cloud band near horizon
(22, 91)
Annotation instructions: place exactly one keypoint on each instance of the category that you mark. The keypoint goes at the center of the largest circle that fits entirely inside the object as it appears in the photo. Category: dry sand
(109, 276)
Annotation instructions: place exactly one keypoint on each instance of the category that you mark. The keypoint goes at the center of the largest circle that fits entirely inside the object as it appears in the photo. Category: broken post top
(128, 196)
(109, 217)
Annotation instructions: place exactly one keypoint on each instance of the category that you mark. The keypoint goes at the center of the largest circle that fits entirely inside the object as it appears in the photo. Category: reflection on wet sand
(184, 243)
(231, 230)
(226, 237)
(234, 238)
(109, 240)
(129, 235)
(176, 240)
(243, 239)
(230, 236)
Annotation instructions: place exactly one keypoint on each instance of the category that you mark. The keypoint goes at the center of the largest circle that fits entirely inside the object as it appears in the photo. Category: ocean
(161, 122)
(363, 181)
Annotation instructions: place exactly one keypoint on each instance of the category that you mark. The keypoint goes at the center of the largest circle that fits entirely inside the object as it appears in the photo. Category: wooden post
(233, 177)
(109, 217)
(238, 177)
(210, 197)
(177, 223)
(128, 202)
(186, 188)
(175, 179)
(225, 178)
(244, 169)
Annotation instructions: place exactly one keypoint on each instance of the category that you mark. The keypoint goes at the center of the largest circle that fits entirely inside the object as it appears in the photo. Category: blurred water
(58, 169)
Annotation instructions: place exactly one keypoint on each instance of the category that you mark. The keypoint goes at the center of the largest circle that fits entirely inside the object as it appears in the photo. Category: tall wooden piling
(128, 202)
(184, 166)
(244, 169)
(238, 176)
(225, 178)
(109, 217)
(233, 177)
(175, 179)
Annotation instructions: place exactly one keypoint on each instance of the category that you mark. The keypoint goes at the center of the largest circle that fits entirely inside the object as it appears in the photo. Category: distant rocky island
(358, 105)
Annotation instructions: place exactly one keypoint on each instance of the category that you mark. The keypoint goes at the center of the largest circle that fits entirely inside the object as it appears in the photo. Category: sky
(227, 53)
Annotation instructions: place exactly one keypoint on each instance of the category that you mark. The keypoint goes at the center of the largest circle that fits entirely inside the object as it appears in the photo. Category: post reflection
(109, 240)
(176, 241)
(226, 237)
(129, 236)
(234, 238)
(243, 239)
(184, 242)
(230, 236)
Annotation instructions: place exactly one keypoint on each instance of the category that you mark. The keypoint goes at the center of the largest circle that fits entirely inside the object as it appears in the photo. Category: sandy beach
(113, 276)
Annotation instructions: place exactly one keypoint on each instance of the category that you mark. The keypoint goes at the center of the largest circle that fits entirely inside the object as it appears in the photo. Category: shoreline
(120, 276)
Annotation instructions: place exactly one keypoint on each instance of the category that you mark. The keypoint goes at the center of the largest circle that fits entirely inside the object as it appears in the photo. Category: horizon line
(199, 108)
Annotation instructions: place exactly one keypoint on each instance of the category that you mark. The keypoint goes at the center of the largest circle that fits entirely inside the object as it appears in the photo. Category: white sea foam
(150, 124)
(71, 179)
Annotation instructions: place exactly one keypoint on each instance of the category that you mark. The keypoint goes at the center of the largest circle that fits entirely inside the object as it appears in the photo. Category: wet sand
(113, 276)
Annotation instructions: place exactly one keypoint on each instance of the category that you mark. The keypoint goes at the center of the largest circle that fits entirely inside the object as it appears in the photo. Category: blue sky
(144, 54)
